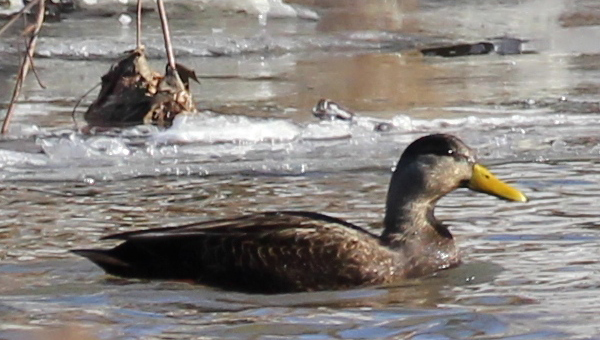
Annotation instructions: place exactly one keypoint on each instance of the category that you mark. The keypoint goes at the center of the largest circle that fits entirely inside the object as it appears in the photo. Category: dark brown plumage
(290, 251)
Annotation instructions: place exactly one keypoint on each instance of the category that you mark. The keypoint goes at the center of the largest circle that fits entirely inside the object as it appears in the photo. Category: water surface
(530, 270)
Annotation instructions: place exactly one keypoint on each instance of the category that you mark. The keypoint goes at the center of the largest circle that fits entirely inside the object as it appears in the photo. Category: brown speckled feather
(262, 252)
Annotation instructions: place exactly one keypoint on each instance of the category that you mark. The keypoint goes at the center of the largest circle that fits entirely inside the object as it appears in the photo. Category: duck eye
(450, 152)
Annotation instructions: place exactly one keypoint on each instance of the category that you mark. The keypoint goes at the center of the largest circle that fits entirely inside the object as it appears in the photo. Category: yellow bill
(484, 181)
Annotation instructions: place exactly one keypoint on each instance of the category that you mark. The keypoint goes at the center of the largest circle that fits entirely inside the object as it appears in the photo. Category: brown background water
(531, 270)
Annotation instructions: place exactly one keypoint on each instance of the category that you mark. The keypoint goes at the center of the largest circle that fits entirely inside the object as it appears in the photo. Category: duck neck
(410, 210)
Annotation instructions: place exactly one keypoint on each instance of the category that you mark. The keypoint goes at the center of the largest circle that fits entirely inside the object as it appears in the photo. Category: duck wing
(255, 224)
(266, 252)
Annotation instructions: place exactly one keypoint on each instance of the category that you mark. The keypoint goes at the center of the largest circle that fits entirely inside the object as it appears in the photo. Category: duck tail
(105, 260)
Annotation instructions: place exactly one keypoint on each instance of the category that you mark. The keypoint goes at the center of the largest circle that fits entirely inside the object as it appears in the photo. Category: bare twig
(35, 74)
(166, 34)
(27, 31)
(17, 16)
(79, 102)
(25, 65)
(138, 37)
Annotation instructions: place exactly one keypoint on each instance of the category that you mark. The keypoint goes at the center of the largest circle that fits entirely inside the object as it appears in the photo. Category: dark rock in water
(500, 45)
(459, 50)
(134, 94)
(328, 110)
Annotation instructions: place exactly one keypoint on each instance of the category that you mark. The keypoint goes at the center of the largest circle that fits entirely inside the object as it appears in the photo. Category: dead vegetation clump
(132, 94)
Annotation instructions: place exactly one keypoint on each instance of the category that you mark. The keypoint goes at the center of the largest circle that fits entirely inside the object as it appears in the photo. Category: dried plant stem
(138, 36)
(26, 64)
(27, 32)
(166, 34)
(79, 102)
(34, 70)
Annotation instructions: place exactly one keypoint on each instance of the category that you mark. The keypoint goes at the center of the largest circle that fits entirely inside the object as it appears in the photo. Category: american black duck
(291, 251)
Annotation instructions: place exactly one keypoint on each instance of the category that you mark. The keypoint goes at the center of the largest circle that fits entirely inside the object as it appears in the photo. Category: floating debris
(326, 109)
(499, 45)
(329, 110)
(459, 50)
(132, 94)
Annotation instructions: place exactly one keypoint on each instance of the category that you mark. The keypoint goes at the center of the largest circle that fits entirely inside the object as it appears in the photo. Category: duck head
(431, 167)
